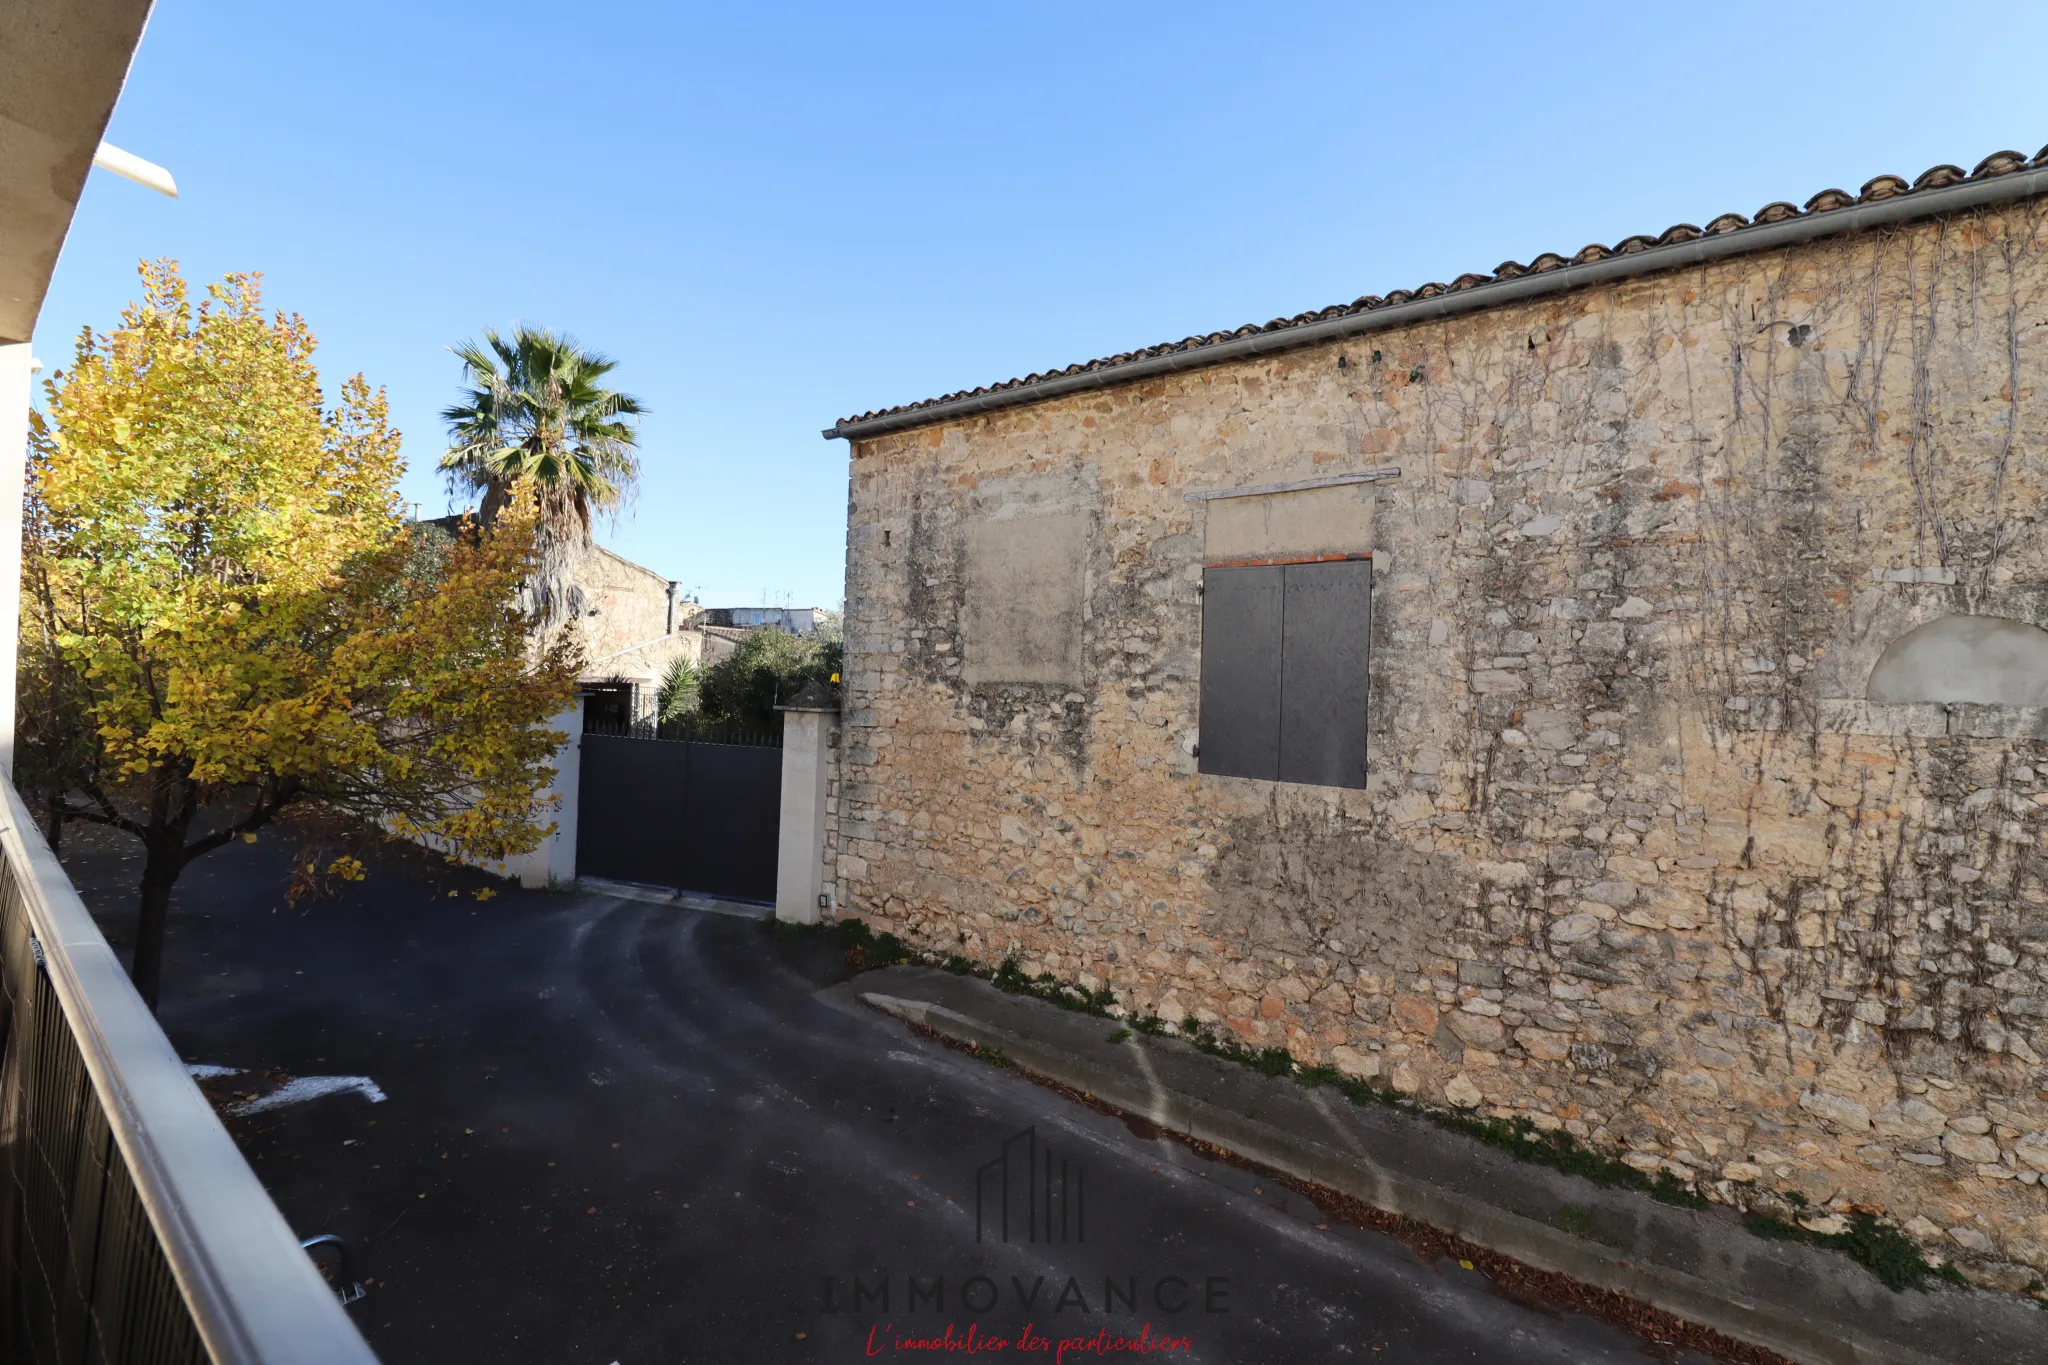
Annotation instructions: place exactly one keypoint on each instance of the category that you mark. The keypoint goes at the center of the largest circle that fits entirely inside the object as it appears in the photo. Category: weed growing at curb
(1517, 1137)
(1575, 1220)
(1881, 1249)
(1013, 980)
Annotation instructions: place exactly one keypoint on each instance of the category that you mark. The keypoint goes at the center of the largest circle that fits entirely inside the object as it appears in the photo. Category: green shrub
(769, 667)
(678, 699)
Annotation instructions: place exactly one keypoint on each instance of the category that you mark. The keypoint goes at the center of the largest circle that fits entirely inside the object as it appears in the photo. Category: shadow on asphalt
(623, 1132)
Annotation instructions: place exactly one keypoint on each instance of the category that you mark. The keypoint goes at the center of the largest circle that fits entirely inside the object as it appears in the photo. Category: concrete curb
(1809, 1304)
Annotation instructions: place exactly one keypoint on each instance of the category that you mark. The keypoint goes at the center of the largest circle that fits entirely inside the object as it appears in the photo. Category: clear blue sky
(778, 215)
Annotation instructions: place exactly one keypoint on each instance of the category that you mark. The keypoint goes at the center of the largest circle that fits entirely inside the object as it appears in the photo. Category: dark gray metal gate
(697, 814)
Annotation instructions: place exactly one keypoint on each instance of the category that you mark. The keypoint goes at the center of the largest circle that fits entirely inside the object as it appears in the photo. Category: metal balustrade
(132, 1231)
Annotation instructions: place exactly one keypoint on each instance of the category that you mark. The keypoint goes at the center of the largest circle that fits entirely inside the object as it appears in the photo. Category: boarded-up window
(1284, 671)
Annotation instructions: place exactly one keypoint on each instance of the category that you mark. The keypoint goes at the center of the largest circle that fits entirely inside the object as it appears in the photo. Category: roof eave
(1930, 203)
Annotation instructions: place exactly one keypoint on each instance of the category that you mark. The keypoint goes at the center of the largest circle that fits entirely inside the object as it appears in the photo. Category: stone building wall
(623, 604)
(829, 845)
(1638, 856)
(628, 632)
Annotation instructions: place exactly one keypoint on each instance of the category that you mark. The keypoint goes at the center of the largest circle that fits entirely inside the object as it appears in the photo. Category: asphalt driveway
(621, 1132)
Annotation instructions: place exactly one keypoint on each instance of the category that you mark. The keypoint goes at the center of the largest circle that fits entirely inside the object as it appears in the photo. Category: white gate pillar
(808, 723)
(553, 864)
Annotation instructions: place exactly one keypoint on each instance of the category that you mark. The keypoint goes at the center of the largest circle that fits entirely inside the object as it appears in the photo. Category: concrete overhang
(62, 64)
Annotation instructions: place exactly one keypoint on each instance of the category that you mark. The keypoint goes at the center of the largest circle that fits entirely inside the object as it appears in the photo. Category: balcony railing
(132, 1232)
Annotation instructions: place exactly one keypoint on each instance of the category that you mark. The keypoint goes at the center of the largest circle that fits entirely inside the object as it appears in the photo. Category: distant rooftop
(795, 620)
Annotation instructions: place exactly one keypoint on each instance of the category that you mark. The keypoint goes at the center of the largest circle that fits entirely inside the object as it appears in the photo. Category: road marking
(302, 1088)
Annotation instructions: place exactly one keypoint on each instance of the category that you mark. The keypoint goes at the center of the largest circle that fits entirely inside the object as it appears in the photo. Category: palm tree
(533, 407)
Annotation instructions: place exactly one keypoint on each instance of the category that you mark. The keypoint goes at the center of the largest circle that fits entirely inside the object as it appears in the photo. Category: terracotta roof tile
(2000, 163)
(1877, 188)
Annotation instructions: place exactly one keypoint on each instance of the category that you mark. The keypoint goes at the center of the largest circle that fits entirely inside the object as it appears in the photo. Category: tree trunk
(554, 593)
(159, 874)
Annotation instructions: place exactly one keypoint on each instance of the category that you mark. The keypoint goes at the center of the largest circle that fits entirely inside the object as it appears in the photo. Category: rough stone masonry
(1643, 852)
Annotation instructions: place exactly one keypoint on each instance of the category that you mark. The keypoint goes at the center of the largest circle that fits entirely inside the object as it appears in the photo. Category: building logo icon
(1029, 1193)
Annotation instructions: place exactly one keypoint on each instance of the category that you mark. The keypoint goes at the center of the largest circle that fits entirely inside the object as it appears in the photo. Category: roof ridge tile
(1937, 177)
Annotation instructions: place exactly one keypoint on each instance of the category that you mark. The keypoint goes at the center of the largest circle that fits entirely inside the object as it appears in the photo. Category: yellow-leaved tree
(226, 614)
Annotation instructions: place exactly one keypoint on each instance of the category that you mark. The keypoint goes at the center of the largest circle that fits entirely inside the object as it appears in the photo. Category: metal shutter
(1242, 611)
(1326, 617)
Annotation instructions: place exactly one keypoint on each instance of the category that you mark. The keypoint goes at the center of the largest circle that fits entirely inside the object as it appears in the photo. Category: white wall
(15, 368)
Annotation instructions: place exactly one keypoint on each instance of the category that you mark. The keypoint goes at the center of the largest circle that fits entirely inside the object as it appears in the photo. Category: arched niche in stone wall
(1984, 659)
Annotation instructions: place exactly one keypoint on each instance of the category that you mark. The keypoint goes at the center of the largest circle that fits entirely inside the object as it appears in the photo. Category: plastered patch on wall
(1991, 659)
(1874, 676)
(1022, 617)
(1309, 521)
